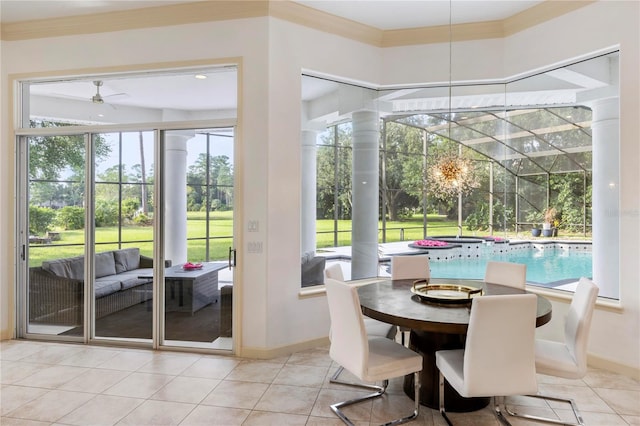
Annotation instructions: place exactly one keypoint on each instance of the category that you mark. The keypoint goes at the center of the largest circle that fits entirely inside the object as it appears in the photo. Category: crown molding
(159, 16)
(325, 22)
(540, 13)
(220, 10)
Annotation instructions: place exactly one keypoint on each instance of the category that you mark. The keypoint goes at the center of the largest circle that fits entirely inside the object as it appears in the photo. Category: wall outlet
(254, 247)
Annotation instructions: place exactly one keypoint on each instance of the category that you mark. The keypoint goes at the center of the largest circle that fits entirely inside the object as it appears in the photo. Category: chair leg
(336, 408)
(441, 399)
(574, 407)
(500, 409)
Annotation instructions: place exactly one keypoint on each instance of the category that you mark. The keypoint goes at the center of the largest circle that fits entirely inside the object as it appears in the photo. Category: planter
(548, 232)
(536, 232)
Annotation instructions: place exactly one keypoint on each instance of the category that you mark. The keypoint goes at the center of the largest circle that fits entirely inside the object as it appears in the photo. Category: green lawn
(221, 229)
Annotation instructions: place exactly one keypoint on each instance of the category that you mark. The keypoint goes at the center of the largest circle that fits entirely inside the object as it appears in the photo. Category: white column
(308, 196)
(605, 129)
(364, 239)
(175, 209)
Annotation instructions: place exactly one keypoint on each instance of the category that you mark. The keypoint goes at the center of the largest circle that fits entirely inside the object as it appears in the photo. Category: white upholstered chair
(409, 267)
(369, 358)
(506, 273)
(499, 357)
(334, 271)
(568, 359)
(373, 327)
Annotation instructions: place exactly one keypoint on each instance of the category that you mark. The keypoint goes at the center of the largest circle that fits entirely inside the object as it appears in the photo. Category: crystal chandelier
(450, 176)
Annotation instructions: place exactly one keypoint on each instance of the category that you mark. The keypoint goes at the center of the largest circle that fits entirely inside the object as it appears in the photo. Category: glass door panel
(123, 261)
(56, 242)
(198, 229)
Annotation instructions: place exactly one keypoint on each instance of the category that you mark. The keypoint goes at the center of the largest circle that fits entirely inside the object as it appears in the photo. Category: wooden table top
(392, 301)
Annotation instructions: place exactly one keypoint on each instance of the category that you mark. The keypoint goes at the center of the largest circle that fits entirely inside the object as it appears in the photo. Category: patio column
(308, 195)
(364, 219)
(175, 189)
(605, 129)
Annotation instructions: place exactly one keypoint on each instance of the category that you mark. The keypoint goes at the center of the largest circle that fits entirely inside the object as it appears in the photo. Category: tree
(210, 176)
(56, 166)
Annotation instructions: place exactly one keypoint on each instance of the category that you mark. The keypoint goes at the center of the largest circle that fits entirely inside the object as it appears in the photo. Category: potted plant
(549, 219)
(536, 231)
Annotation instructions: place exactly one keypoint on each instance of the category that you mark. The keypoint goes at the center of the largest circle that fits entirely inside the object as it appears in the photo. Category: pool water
(545, 267)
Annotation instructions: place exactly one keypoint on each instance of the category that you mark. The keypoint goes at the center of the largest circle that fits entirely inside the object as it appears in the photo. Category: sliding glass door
(91, 229)
(198, 237)
(53, 227)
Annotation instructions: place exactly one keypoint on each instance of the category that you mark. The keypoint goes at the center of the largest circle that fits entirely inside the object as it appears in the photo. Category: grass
(71, 243)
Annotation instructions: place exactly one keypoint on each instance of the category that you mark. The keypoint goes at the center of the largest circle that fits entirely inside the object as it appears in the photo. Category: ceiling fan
(98, 98)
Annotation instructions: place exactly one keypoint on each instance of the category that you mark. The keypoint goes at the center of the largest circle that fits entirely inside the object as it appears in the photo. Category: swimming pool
(549, 267)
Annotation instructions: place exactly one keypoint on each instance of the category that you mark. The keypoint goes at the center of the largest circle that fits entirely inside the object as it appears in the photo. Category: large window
(522, 153)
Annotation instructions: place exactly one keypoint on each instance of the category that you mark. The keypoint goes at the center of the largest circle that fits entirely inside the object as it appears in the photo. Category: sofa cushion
(105, 264)
(131, 278)
(70, 267)
(127, 259)
(105, 286)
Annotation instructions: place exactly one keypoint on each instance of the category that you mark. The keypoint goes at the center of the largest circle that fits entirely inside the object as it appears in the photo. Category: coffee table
(188, 290)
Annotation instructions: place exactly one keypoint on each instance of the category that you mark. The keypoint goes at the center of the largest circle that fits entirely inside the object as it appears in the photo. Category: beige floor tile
(211, 367)
(102, 410)
(315, 357)
(214, 416)
(593, 419)
(51, 406)
(632, 420)
(12, 397)
(235, 394)
(604, 379)
(90, 357)
(255, 371)
(289, 390)
(14, 350)
(186, 389)
(139, 385)
(127, 360)
(5, 421)
(621, 401)
(334, 421)
(52, 376)
(261, 418)
(288, 399)
(168, 364)
(301, 375)
(157, 413)
(14, 371)
(53, 354)
(95, 380)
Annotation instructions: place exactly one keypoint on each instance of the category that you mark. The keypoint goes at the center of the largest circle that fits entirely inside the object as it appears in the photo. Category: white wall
(274, 53)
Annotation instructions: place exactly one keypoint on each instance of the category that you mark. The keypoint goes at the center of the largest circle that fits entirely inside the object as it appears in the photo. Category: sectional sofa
(56, 289)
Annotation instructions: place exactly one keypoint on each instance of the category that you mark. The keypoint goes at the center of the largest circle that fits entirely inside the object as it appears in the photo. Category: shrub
(40, 219)
(70, 217)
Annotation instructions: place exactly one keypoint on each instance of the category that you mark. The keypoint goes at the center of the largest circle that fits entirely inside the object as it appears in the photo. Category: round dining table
(434, 326)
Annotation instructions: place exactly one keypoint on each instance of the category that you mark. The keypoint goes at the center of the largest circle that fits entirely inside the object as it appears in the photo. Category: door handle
(232, 257)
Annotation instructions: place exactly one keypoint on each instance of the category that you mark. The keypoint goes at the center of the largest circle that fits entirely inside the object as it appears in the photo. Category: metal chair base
(574, 407)
(379, 392)
(499, 406)
(334, 379)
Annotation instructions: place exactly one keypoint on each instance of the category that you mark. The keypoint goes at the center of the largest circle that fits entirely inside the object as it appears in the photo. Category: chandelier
(450, 176)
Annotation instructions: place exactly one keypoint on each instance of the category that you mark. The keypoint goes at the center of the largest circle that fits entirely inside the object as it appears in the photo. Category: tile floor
(65, 384)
